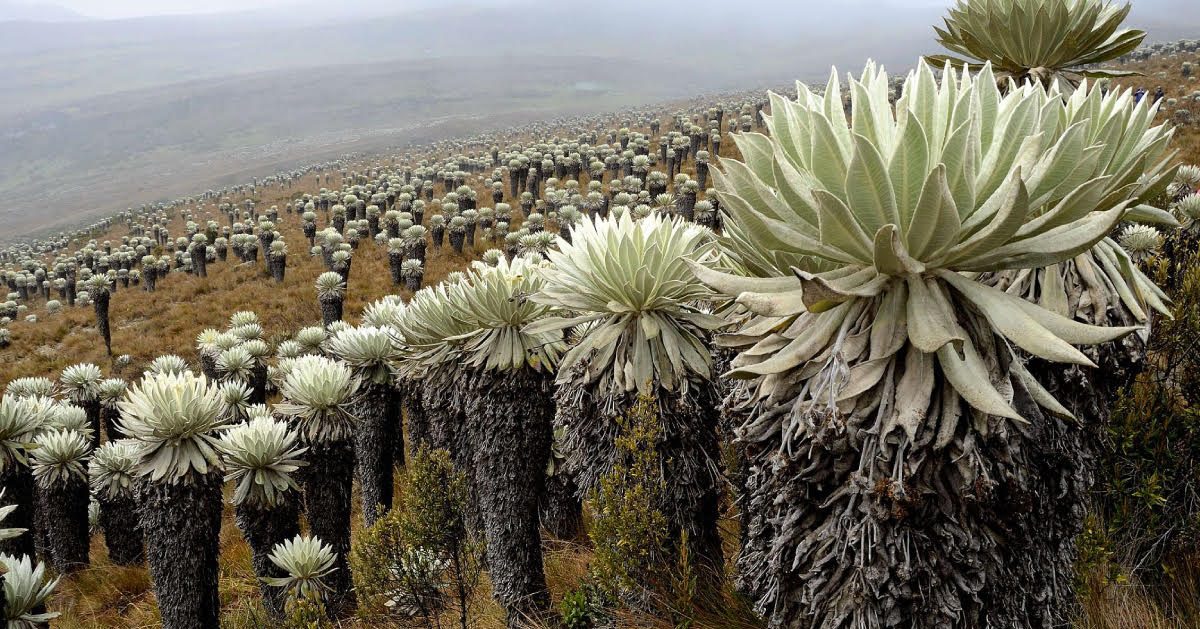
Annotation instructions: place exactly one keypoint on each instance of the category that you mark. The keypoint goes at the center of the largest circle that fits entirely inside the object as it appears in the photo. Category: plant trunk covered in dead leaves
(965, 524)
(20, 490)
(327, 482)
(509, 416)
(182, 522)
(687, 447)
(374, 438)
(122, 531)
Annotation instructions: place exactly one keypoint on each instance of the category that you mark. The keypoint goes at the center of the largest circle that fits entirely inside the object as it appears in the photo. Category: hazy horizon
(126, 9)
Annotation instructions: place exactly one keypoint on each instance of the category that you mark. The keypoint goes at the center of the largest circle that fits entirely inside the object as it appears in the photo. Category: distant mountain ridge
(19, 11)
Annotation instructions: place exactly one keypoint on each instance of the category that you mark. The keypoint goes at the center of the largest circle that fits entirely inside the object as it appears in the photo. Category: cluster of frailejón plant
(866, 340)
(630, 280)
(171, 419)
(836, 243)
(1038, 40)
(261, 457)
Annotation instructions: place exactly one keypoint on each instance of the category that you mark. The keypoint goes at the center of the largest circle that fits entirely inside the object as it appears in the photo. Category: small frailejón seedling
(307, 563)
(886, 390)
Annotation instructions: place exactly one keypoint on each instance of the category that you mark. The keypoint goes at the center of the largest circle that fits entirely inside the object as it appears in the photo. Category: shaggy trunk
(278, 268)
(413, 282)
(258, 383)
(208, 365)
(561, 509)
(447, 432)
(979, 532)
(417, 251)
(182, 524)
(689, 453)
(109, 417)
(331, 308)
(374, 439)
(263, 528)
(509, 418)
(122, 532)
(92, 408)
(327, 482)
(71, 290)
(199, 261)
(396, 410)
(19, 489)
(687, 206)
(395, 259)
(734, 462)
(456, 241)
(417, 429)
(100, 303)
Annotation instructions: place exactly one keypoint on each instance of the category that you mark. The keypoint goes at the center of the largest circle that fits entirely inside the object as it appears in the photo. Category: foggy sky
(118, 9)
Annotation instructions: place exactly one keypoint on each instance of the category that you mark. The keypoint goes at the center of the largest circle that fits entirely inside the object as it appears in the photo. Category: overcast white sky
(136, 8)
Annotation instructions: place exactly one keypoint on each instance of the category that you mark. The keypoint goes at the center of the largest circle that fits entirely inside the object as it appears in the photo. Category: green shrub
(584, 608)
(628, 532)
(306, 612)
(1148, 492)
(634, 561)
(418, 560)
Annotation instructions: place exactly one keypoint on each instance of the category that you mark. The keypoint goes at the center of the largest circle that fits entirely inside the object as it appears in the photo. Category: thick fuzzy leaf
(1014, 323)
(969, 377)
(931, 324)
